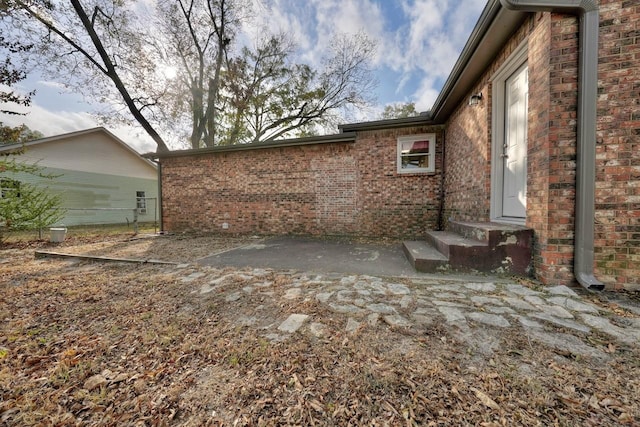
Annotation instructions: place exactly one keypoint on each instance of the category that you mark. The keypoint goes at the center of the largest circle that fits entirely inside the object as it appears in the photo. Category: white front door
(514, 181)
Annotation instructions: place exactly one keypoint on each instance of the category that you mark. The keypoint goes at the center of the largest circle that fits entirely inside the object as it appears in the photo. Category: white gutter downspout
(587, 10)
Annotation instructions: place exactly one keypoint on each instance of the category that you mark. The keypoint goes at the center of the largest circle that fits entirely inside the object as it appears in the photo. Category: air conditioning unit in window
(142, 210)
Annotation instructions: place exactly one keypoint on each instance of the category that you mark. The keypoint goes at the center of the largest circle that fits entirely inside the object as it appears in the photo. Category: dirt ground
(104, 344)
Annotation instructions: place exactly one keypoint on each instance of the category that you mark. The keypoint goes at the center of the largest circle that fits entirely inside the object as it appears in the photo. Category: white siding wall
(94, 152)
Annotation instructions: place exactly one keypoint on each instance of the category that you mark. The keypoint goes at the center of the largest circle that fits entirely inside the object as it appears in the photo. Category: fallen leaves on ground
(119, 344)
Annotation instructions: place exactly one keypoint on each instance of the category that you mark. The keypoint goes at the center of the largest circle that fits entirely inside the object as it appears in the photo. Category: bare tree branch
(56, 31)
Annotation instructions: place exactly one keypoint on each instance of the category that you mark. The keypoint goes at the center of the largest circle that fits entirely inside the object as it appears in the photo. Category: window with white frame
(416, 153)
(141, 202)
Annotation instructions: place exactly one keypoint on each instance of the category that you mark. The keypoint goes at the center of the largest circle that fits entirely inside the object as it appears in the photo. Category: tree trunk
(211, 114)
(115, 78)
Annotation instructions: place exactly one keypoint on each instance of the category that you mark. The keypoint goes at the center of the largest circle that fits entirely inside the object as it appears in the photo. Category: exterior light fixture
(475, 98)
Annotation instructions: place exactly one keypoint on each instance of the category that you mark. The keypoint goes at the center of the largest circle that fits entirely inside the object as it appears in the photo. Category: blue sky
(418, 41)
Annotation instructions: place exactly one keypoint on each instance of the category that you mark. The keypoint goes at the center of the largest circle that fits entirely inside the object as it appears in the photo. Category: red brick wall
(553, 91)
(617, 232)
(552, 63)
(468, 166)
(617, 215)
(390, 204)
(553, 96)
(539, 142)
(259, 192)
(336, 189)
(553, 79)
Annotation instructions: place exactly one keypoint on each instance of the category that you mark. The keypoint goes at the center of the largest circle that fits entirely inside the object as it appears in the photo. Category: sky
(418, 42)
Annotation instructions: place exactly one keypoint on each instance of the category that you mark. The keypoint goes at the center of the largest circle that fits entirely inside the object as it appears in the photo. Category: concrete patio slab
(316, 255)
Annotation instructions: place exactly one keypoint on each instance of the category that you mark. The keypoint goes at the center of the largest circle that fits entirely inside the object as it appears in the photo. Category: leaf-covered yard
(86, 343)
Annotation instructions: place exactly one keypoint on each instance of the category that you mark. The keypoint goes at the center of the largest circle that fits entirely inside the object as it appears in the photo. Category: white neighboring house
(101, 179)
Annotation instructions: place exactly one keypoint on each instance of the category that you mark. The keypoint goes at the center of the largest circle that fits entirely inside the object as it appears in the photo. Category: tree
(117, 50)
(399, 110)
(24, 206)
(264, 92)
(9, 74)
(18, 134)
(103, 42)
(273, 97)
(197, 39)
(258, 94)
(9, 134)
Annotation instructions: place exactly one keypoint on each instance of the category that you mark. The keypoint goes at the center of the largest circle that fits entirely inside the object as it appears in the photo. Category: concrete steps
(424, 257)
(485, 247)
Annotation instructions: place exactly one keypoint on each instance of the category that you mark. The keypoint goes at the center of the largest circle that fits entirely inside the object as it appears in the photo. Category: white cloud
(51, 84)
(430, 43)
(313, 23)
(425, 20)
(135, 137)
(351, 17)
(426, 94)
(48, 122)
(463, 19)
(348, 16)
(289, 17)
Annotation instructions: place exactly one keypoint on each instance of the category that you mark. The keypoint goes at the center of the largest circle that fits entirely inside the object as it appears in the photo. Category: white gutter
(587, 11)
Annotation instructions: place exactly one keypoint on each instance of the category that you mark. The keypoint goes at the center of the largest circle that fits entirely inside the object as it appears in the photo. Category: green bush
(24, 206)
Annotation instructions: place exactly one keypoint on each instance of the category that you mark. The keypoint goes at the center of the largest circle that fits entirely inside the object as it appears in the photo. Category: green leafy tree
(9, 134)
(399, 111)
(18, 134)
(24, 206)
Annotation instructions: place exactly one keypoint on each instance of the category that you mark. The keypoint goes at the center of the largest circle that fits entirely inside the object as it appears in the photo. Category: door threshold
(508, 220)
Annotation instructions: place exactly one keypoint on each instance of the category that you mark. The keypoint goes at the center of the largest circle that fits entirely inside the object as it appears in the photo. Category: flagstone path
(474, 311)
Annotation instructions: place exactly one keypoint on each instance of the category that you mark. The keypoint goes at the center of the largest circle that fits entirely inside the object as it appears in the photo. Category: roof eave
(293, 142)
(421, 120)
(494, 27)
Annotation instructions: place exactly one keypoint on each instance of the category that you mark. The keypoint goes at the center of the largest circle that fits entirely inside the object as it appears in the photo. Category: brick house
(533, 140)
(345, 184)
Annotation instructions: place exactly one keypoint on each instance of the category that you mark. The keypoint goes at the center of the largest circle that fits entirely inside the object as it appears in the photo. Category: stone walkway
(475, 312)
